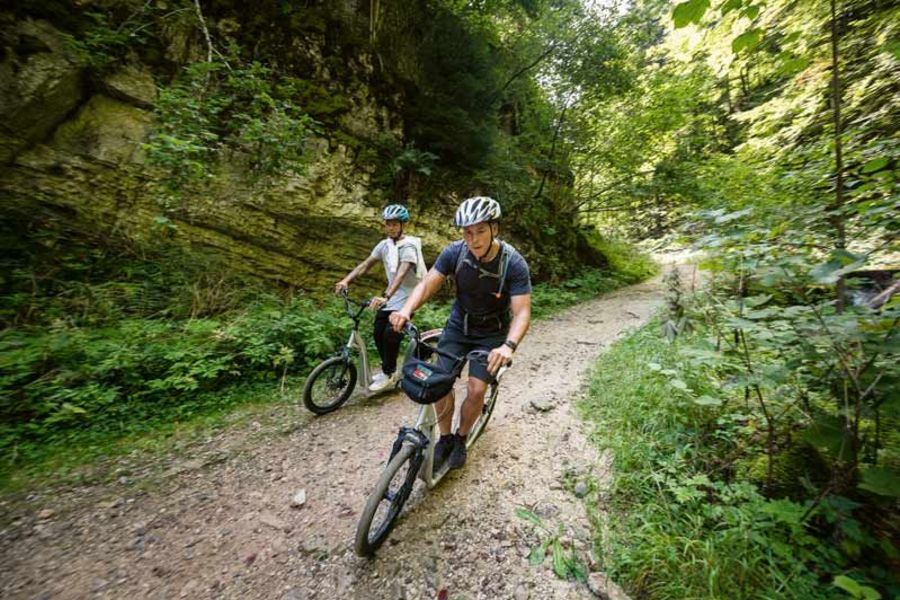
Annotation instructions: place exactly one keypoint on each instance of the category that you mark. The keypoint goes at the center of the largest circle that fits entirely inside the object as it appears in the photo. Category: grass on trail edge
(87, 455)
(665, 529)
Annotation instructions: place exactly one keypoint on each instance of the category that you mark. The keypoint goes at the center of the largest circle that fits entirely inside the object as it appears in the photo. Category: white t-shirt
(392, 255)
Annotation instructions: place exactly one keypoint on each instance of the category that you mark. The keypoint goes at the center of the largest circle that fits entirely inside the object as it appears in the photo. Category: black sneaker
(442, 450)
(458, 456)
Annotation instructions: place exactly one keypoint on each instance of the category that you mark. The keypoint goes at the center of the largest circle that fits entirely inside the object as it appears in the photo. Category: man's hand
(377, 302)
(398, 319)
(498, 357)
(341, 286)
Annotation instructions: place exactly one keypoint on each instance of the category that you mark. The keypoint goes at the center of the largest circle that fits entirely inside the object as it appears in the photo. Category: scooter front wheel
(329, 385)
(387, 500)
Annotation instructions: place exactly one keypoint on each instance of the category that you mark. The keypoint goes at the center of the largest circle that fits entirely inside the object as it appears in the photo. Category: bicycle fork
(415, 438)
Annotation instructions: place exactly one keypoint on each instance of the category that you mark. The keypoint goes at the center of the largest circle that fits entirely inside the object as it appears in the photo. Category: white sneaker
(381, 382)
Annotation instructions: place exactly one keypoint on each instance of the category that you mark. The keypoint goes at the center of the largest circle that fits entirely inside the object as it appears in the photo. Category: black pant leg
(388, 342)
(381, 323)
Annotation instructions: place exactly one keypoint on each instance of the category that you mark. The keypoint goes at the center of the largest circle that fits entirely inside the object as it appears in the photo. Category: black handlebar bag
(425, 382)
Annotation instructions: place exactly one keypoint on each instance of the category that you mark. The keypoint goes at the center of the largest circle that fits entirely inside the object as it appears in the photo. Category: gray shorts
(454, 341)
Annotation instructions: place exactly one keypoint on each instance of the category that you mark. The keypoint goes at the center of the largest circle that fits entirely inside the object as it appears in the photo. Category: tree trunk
(559, 123)
(836, 218)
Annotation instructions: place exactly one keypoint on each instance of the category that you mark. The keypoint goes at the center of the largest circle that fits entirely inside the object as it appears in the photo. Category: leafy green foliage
(451, 112)
(245, 114)
(105, 39)
(408, 169)
(681, 525)
(66, 378)
(54, 274)
(788, 383)
(747, 41)
(566, 562)
(103, 337)
(626, 266)
(777, 391)
(856, 590)
(689, 12)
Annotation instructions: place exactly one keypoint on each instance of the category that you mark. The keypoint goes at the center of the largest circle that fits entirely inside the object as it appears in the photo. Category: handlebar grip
(482, 357)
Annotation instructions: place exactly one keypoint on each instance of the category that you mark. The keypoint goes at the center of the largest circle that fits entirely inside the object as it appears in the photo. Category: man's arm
(521, 310)
(521, 321)
(360, 269)
(426, 288)
(402, 270)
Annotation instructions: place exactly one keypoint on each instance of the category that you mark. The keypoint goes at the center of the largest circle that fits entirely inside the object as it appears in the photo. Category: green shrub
(60, 378)
(245, 114)
(626, 266)
(547, 299)
(679, 525)
(625, 260)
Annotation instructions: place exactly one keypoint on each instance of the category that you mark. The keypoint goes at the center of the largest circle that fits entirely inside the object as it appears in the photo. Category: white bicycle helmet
(477, 210)
(396, 212)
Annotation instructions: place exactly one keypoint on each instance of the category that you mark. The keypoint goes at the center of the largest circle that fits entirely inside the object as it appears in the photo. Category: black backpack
(505, 255)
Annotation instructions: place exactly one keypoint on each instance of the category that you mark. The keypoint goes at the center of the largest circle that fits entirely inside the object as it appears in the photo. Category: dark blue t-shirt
(477, 283)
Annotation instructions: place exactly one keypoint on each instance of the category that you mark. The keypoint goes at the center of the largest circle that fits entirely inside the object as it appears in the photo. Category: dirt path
(220, 524)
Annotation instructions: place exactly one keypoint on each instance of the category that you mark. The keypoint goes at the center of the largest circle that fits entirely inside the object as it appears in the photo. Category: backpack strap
(505, 255)
(461, 258)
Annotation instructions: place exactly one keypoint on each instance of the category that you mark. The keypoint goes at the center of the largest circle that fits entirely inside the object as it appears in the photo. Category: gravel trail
(218, 521)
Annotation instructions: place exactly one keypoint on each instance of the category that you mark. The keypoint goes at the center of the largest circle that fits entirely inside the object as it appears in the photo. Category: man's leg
(378, 332)
(445, 408)
(453, 343)
(445, 444)
(473, 405)
(468, 414)
(390, 341)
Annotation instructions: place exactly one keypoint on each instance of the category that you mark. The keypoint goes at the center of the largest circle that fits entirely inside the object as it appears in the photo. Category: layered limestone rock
(74, 148)
(39, 86)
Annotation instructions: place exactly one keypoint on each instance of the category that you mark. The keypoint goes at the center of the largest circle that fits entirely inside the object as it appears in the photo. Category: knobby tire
(367, 541)
(346, 371)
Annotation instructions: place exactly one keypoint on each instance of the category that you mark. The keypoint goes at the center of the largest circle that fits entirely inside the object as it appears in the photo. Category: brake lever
(411, 330)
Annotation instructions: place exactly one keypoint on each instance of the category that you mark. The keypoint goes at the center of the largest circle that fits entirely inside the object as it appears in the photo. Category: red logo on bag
(421, 373)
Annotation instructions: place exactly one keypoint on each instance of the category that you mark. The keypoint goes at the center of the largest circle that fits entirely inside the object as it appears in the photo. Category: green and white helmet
(477, 210)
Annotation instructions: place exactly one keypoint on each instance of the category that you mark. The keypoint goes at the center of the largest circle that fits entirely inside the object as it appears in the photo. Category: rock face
(39, 86)
(71, 148)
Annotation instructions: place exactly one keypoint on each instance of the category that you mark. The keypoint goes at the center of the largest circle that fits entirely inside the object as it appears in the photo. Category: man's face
(478, 237)
(393, 228)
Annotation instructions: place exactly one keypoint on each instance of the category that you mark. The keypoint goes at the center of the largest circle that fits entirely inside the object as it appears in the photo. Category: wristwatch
(511, 344)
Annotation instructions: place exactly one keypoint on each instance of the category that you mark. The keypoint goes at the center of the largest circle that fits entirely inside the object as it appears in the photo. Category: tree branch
(523, 70)
(209, 44)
